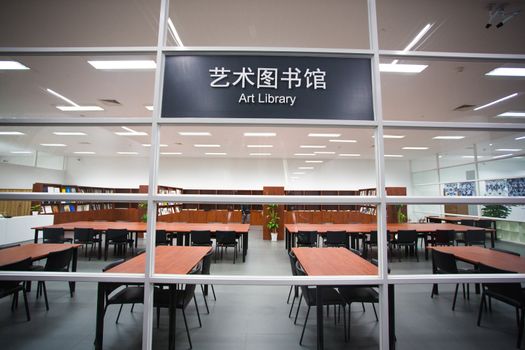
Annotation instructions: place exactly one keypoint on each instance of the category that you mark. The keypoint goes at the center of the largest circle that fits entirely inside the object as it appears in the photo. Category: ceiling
(429, 96)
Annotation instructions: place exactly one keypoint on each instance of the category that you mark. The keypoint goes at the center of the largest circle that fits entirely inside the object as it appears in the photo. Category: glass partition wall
(439, 146)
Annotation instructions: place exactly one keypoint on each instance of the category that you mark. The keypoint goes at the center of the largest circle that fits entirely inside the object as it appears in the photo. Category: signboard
(283, 87)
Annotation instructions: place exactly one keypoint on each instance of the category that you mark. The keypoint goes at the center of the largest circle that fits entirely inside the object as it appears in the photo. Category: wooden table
(168, 260)
(182, 230)
(339, 262)
(458, 219)
(38, 252)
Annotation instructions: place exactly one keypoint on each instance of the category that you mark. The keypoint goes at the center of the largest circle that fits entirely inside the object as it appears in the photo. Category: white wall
(23, 177)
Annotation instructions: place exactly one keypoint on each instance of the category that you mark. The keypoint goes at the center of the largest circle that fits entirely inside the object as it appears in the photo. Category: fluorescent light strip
(323, 135)
(312, 146)
(508, 149)
(470, 157)
(393, 136)
(69, 133)
(53, 145)
(314, 161)
(502, 156)
(343, 141)
(84, 152)
(507, 72)
(304, 154)
(393, 156)
(415, 148)
(12, 65)
(511, 114)
(414, 41)
(259, 134)
(11, 133)
(402, 68)
(174, 33)
(206, 146)
(324, 152)
(149, 108)
(520, 138)
(130, 132)
(215, 154)
(54, 93)
(497, 101)
(305, 168)
(128, 153)
(194, 133)
(123, 64)
(260, 154)
(259, 146)
(149, 145)
(448, 137)
(170, 153)
(349, 155)
(80, 108)
(21, 152)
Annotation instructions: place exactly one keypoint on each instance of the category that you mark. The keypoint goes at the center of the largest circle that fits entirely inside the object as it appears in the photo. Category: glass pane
(451, 91)
(450, 26)
(71, 86)
(290, 23)
(64, 23)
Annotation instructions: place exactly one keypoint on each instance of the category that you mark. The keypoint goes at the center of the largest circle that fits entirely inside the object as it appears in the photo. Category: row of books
(70, 189)
(66, 208)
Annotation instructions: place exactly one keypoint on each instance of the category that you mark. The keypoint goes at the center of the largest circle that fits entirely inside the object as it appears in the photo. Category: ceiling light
(21, 152)
(298, 173)
(84, 152)
(448, 137)
(260, 154)
(123, 64)
(80, 108)
(393, 156)
(130, 132)
(12, 65)
(324, 152)
(149, 108)
(194, 133)
(323, 135)
(349, 155)
(175, 35)
(312, 146)
(11, 133)
(520, 138)
(503, 155)
(415, 148)
(507, 72)
(259, 134)
(53, 145)
(52, 92)
(393, 136)
(259, 146)
(206, 146)
(128, 153)
(470, 157)
(512, 114)
(69, 133)
(304, 154)
(508, 149)
(402, 68)
(149, 145)
(414, 41)
(170, 153)
(305, 168)
(314, 161)
(497, 101)
(343, 141)
(215, 154)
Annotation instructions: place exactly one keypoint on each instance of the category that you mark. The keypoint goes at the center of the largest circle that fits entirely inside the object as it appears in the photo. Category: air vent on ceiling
(110, 102)
(463, 108)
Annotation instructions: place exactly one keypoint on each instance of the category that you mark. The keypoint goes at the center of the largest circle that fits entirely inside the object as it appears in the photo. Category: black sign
(284, 87)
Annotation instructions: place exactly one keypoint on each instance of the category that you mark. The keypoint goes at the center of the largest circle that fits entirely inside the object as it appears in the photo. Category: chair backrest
(112, 264)
(117, 235)
(444, 262)
(111, 286)
(336, 237)
(11, 245)
(434, 220)
(53, 235)
(373, 237)
(59, 261)
(225, 237)
(306, 237)
(468, 222)
(475, 237)
(444, 236)
(293, 261)
(200, 237)
(484, 223)
(160, 237)
(83, 235)
(510, 290)
(505, 251)
(406, 236)
(22, 265)
(206, 263)
(189, 289)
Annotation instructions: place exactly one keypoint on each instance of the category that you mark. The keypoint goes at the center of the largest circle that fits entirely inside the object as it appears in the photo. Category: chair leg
(45, 294)
(298, 307)
(213, 291)
(344, 322)
(289, 294)
(363, 305)
(375, 312)
(349, 317)
(119, 311)
(455, 297)
(481, 305)
(205, 302)
(24, 294)
(197, 308)
(158, 317)
(304, 326)
(291, 307)
(132, 307)
(187, 330)
(520, 330)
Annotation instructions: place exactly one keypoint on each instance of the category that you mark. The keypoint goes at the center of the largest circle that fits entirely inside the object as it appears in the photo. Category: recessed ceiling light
(304, 154)
(393, 156)
(53, 145)
(298, 173)
(313, 134)
(259, 146)
(149, 108)
(520, 138)
(512, 114)
(206, 146)
(393, 136)
(170, 153)
(507, 72)
(215, 154)
(471, 157)
(414, 41)
(312, 146)
(149, 145)
(11, 133)
(84, 152)
(260, 154)
(305, 168)
(349, 155)
(12, 65)
(194, 133)
(343, 141)
(259, 134)
(314, 161)
(69, 133)
(128, 153)
(324, 152)
(448, 137)
(21, 152)
(508, 149)
(415, 148)
(402, 68)
(497, 101)
(123, 64)
(503, 155)
(130, 132)
(80, 108)
(174, 34)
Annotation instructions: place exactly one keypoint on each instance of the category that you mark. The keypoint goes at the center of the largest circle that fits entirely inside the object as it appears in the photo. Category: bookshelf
(165, 208)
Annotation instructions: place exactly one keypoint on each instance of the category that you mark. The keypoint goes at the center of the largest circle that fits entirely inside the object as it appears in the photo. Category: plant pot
(34, 212)
(274, 236)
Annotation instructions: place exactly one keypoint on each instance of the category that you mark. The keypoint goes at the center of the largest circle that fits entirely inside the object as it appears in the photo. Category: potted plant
(273, 221)
(35, 209)
(143, 206)
(496, 210)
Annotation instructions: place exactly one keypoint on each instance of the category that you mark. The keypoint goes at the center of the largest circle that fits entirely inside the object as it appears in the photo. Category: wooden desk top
(365, 228)
(142, 226)
(477, 255)
(33, 251)
(168, 260)
(333, 262)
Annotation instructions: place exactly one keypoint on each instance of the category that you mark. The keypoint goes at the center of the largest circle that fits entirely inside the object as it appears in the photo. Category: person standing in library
(245, 211)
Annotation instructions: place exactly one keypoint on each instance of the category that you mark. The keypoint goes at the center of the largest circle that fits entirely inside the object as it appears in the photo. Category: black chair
(56, 262)
(330, 297)
(407, 239)
(307, 239)
(336, 239)
(86, 237)
(184, 296)
(475, 237)
(14, 287)
(201, 238)
(225, 239)
(359, 294)
(509, 293)
(434, 220)
(468, 222)
(445, 263)
(293, 261)
(485, 224)
(505, 251)
(120, 293)
(443, 238)
(55, 235)
(120, 240)
(161, 238)
(369, 243)
(206, 267)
